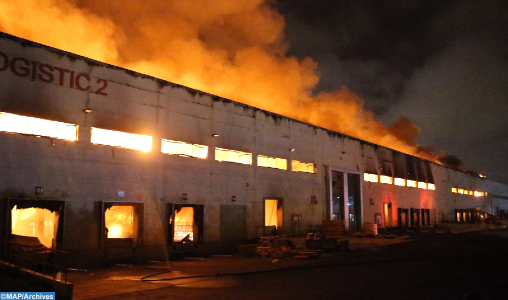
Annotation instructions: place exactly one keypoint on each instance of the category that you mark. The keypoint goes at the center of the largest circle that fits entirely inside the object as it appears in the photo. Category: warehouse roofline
(162, 83)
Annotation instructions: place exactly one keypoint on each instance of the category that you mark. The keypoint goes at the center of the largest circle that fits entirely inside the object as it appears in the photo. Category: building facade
(105, 162)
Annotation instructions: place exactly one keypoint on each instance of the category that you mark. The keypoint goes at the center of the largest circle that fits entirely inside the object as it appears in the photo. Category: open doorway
(425, 217)
(185, 224)
(387, 214)
(345, 191)
(415, 217)
(402, 217)
(122, 229)
(273, 215)
(35, 222)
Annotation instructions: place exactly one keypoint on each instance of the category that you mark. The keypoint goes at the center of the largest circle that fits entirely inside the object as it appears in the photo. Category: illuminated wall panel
(400, 182)
(272, 162)
(121, 139)
(184, 149)
(386, 179)
(370, 177)
(233, 156)
(39, 127)
(298, 166)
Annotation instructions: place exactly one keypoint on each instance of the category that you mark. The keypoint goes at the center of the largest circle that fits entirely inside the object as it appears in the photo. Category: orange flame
(230, 48)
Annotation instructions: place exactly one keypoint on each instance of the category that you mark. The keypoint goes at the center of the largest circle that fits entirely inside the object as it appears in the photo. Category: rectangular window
(386, 179)
(370, 177)
(184, 224)
(233, 156)
(454, 190)
(460, 191)
(422, 185)
(35, 222)
(400, 182)
(411, 183)
(431, 186)
(184, 149)
(39, 127)
(478, 194)
(121, 139)
(272, 162)
(119, 222)
(298, 166)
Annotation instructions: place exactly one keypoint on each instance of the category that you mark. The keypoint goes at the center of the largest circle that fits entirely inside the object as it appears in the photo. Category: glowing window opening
(370, 177)
(298, 166)
(234, 156)
(411, 183)
(121, 139)
(119, 221)
(34, 222)
(386, 179)
(400, 181)
(12, 123)
(454, 190)
(478, 194)
(431, 186)
(272, 162)
(471, 193)
(422, 185)
(184, 225)
(460, 191)
(184, 149)
(271, 212)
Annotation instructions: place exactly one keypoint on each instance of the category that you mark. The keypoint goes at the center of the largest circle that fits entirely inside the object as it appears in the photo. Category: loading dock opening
(121, 230)
(35, 222)
(273, 213)
(185, 224)
(387, 211)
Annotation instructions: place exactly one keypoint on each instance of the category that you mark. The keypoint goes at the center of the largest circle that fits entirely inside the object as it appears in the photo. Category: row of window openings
(119, 221)
(65, 131)
(467, 192)
(398, 181)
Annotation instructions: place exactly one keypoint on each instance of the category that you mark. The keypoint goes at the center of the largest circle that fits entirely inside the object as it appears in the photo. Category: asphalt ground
(430, 266)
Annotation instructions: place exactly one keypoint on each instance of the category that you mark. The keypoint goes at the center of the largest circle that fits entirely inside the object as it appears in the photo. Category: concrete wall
(83, 174)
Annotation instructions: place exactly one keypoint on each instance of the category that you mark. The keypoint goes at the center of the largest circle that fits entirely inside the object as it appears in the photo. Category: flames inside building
(35, 222)
(119, 222)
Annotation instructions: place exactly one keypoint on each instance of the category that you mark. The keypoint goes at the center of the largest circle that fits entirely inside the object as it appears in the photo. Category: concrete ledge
(63, 290)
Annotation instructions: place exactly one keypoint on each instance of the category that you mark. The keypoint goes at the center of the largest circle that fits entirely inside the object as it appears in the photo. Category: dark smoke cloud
(441, 64)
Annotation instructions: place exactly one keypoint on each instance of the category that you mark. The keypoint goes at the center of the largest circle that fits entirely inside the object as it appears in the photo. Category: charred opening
(185, 224)
(122, 229)
(35, 222)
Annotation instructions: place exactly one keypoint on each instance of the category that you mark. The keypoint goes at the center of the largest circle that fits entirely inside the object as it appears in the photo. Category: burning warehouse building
(105, 163)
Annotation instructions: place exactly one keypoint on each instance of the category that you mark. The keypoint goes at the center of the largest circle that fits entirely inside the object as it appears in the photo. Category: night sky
(442, 64)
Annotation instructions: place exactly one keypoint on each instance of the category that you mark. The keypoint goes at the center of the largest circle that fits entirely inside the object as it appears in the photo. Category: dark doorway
(233, 224)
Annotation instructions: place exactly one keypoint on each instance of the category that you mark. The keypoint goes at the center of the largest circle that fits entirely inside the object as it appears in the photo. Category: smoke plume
(231, 48)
